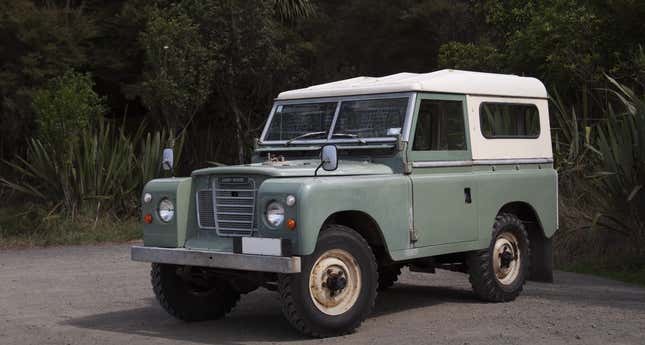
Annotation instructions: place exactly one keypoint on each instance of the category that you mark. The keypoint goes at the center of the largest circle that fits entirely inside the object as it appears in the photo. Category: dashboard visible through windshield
(343, 119)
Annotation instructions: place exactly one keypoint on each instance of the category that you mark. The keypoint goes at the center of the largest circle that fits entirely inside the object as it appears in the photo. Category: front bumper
(204, 258)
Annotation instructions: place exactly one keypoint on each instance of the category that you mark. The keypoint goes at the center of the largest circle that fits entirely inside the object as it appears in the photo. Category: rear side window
(509, 120)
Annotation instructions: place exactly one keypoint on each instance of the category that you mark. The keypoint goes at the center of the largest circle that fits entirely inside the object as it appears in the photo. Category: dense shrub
(66, 108)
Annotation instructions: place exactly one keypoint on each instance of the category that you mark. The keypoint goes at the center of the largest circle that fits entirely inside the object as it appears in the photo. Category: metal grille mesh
(229, 207)
(205, 209)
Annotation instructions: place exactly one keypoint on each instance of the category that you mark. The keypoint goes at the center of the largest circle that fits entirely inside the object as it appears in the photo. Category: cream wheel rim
(335, 282)
(506, 258)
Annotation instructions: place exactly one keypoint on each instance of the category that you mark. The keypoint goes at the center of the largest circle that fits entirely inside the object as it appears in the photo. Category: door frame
(445, 155)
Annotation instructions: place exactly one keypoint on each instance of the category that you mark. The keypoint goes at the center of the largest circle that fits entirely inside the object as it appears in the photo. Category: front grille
(205, 209)
(229, 207)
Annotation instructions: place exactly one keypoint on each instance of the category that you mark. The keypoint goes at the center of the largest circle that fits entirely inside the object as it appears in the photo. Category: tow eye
(335, 282)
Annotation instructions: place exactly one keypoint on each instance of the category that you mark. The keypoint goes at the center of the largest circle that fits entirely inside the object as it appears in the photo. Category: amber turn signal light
(291, 224)
(147, 218)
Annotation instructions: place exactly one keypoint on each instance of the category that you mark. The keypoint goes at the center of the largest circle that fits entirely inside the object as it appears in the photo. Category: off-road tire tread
(482, 276)
(286, 281)
(184, 312)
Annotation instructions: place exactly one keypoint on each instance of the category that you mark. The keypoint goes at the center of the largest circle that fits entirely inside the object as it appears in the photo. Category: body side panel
(535, 185)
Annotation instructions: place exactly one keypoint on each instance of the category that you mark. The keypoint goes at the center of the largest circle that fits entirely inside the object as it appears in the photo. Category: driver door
(443, 183)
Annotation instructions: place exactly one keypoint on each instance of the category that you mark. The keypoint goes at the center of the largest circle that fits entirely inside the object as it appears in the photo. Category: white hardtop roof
(444, 81)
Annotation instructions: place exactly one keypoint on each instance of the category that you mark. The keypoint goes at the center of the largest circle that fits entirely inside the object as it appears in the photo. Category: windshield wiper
(350, 135)
(306, 135)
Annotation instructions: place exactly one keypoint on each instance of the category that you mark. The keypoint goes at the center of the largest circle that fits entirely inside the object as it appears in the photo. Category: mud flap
(541, 268)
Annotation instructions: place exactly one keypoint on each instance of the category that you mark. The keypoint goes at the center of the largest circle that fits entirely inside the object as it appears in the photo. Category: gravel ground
(96, 295)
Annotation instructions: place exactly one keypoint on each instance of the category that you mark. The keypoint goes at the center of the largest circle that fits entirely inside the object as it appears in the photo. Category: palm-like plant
(620, 175)
(103, 169)
(291, 9)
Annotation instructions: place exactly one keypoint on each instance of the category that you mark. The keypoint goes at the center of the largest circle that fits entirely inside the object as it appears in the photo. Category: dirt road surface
(96, 295)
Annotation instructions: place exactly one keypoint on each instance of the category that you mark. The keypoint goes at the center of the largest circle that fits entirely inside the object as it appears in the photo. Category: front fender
(386, 198)
(173, 233)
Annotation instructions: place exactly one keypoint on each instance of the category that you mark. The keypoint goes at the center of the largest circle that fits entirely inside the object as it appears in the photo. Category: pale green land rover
(350, 182)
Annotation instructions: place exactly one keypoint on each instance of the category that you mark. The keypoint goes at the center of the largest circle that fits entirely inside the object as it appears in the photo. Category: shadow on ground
(257, 318)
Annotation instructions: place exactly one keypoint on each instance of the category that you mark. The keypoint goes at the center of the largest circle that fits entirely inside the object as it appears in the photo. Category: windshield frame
(405, 130)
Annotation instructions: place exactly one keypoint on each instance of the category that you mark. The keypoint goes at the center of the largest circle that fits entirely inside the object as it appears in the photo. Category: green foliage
(469, 56)
(66, 108)
(104, 172)
(571, 142)
(35, 225)
(630, 270)
(293, 9)
(179, 66)
(620, 176)
(38, 42)
(566, 43)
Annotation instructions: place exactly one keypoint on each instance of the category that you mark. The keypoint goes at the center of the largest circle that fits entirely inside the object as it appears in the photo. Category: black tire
(189, 303)
(481, 265)
(387, 276)
(298, 305)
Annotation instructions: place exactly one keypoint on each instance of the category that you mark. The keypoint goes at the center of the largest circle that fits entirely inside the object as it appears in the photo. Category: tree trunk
(239, 136)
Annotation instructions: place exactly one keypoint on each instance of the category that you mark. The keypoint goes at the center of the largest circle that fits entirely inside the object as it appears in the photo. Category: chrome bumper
(245, 262)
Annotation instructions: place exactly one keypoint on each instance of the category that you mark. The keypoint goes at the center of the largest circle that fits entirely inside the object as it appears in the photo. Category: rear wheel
(497, 274)
(336, 289)
(190, 294)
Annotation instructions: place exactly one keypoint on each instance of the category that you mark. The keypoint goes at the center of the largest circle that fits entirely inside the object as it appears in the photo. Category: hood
(299, 168)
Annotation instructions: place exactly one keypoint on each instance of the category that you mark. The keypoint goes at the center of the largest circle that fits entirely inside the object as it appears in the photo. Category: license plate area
(262, 246)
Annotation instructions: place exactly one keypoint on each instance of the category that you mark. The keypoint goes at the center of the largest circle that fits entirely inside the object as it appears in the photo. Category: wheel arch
(367, 227)
(525, 212)
(541, 247)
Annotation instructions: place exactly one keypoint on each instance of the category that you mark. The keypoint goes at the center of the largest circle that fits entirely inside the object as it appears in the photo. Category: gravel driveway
(96, 295)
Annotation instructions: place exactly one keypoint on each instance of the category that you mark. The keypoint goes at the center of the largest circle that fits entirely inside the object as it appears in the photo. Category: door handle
(467, 197)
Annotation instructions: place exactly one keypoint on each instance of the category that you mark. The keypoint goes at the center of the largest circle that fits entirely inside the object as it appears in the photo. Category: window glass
(372, 118)
(292, 120)
(508, 120)
(440, 126)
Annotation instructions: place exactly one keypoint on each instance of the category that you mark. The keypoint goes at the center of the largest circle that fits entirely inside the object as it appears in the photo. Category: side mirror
(328, 158)
(167, 160)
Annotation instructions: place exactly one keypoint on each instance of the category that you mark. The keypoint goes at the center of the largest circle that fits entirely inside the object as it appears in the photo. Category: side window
(440, 126)
(509, 120)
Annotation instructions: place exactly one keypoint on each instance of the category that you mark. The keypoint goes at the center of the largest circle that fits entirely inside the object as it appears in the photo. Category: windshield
(293, 120)
(357, 119)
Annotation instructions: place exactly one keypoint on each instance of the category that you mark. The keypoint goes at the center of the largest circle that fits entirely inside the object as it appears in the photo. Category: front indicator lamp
(147, 218)
(291, 224)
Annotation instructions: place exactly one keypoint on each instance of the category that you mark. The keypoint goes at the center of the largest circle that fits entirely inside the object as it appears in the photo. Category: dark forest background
(91, 90)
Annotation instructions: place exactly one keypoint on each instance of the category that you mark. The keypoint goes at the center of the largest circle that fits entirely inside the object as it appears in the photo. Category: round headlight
(166, 210)
(275, 213)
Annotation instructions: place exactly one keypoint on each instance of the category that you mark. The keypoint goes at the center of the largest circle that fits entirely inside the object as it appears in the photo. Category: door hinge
(414, 236)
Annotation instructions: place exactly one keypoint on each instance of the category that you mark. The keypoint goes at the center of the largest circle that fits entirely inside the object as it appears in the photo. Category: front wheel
(190, 294)
(336, 289)
(497, 274)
